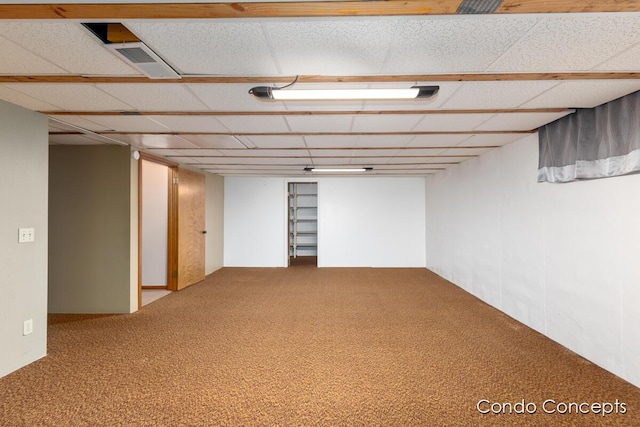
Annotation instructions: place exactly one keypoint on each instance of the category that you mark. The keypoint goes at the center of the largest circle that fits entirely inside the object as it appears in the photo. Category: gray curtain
(592, 143)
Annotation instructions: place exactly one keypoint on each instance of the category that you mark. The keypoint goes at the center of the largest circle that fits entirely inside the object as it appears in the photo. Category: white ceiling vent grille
(144, 59)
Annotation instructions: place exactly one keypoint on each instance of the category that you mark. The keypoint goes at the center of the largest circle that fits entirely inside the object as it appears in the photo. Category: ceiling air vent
(472, 7)
(144, 59)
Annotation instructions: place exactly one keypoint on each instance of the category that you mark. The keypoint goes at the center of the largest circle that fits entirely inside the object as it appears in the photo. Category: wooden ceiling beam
(302, 113)
(462, 132)
(457, 77)
(447, 147)
(126, 11)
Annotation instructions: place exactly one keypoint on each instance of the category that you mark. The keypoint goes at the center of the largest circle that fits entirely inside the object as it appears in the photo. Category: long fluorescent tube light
(309, 169)
(276, 94)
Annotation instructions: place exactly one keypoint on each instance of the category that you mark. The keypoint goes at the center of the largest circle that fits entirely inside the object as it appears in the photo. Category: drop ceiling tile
(492, 95)
(26, 101)
(428, 160)
(76, 140)
(583, 93)
(128, 123)
(17, 60)
(519, 121)
(331, 46)
(78, 96)
(498, 139)
(570, 42)
(418, 152)
(357, 140)
(254, 124)
(301, 161)
(627, 60)
(213, 141)
(436, 140)
(154, 141)
(83, 122)
(258, 152)
(337, 153)
(451, 122)
(200, 152)
(450, 44)
(68, 45)
(223, 47)
(332, 162)
(278, 141)
(154, 97)
(233, 97)
(192, 124)
(385, 123)
(466, 151)
(319, 123)
(382, 140)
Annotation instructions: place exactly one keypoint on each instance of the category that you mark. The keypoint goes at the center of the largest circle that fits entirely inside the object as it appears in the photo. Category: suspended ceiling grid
(501, 76)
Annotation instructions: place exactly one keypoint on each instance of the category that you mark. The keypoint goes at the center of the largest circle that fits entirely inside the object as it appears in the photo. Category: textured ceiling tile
(441, 44)
(450, 122)
(83, 122)
(129, 123)
(383, 140)
(331, 46)
(211, 47)
(319, 123)
(571, 42)
(158, 97)
(213, 141)
(26, 101)
(67, 45)
(190, 123)
(71, 96)
(519, 121)
(437, 140)
(488, 139)
(76, 140)
(487, 95)
(157, 141)
(16, 60)
(254, 123)
(628, 60)
(233, 97)
(386, 123)
(278, 141)
(583, 94)
(465, 152)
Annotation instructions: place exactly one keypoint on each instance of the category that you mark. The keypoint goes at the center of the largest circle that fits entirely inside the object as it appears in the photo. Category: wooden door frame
(172, 217)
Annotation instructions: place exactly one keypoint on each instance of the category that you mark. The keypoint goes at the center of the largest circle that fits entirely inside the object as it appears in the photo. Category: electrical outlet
(27, 328)
(26, 235)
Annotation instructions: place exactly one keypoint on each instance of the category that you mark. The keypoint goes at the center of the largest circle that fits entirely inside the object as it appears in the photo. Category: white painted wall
(254, 222)
(155, 223)
(368, 221)
(214, 223)
(371, 222)
(24, 154)
(561, 258)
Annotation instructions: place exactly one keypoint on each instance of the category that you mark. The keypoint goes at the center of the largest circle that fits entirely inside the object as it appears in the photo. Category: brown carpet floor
(306, 347)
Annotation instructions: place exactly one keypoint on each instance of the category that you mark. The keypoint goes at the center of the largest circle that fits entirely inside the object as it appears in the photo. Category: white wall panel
(254, 222)
(559, 258)
(370, 222)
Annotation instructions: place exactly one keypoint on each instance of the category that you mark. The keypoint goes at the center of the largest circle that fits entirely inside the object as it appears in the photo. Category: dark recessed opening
(111, 32)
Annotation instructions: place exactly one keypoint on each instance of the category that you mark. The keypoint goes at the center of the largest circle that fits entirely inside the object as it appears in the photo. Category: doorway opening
(303, 223)
(157, 225)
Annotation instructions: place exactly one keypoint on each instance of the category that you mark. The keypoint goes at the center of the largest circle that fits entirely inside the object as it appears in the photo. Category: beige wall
(23, 266)
(214, 211)
(90, 218)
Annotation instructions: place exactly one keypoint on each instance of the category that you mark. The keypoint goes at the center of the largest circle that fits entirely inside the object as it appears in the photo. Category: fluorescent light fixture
(310, 169)
(277, 94)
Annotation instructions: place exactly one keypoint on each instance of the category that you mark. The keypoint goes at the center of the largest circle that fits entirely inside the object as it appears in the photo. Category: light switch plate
(26, 235)
(27, 328)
